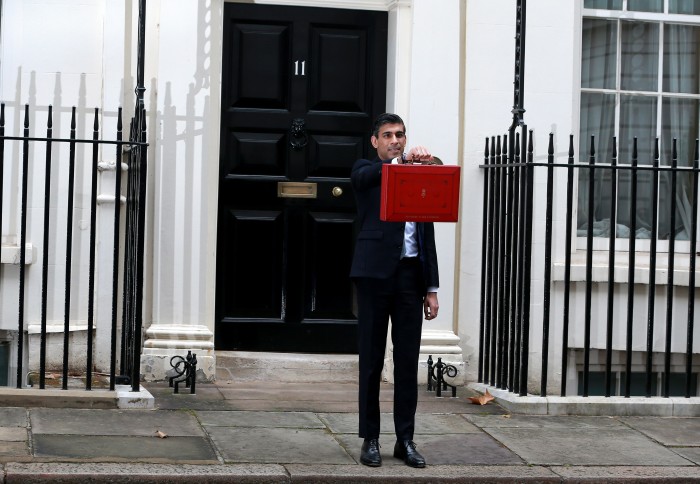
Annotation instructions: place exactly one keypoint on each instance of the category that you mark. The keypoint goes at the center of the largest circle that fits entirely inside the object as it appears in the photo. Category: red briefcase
(420, 193)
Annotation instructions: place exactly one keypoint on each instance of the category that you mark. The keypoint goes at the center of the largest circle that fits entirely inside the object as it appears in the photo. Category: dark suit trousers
(401, 298)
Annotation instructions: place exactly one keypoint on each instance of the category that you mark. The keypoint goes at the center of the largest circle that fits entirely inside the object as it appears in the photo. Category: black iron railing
(134, 153)
(509, 211)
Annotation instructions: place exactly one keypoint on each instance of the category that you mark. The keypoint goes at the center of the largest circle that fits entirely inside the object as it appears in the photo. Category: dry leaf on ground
(160, 434)
(482, 399)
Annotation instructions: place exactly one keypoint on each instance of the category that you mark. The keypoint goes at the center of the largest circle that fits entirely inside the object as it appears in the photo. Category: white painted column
(185, 61)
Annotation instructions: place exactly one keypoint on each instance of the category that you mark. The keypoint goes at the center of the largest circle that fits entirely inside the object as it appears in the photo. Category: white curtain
(638, 108)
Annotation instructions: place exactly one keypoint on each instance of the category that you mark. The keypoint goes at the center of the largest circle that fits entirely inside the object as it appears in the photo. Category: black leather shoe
(370, 453)
(406, 450)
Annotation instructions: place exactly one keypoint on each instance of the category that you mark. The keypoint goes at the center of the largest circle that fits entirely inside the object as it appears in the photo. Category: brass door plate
(296, 190)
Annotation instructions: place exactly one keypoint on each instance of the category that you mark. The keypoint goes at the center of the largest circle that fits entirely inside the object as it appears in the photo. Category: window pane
(599, 54)
(680, 121)
(598, 120)
(607, 4)
(681, 55)
(637, 119)
(689, 7)
(640, 54)
(645, 5)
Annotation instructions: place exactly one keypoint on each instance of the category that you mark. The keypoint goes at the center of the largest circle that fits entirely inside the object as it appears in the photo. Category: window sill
(10, 254)
(642, 271)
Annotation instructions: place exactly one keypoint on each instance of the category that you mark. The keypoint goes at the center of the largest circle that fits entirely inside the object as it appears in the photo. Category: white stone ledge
(592, 406)
(10, 254)
(178, 343)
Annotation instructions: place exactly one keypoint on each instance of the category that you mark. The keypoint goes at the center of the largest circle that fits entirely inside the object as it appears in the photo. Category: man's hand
(418, 154)
(431, 306)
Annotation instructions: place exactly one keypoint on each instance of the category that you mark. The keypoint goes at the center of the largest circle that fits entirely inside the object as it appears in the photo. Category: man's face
(390, 141)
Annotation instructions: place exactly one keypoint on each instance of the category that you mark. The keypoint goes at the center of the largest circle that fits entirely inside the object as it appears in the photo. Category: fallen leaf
(506, 416)
(160, 434)
(482, 399)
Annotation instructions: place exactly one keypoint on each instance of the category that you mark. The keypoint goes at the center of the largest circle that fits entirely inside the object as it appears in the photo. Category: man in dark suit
(396, 274)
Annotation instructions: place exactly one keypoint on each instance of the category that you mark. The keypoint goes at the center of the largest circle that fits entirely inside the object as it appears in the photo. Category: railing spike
(571, 146)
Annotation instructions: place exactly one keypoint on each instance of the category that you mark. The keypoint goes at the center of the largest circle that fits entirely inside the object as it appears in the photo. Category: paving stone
(627, 474)
(114, 422)
(290, 406)
(443, 424)
(430, 474)
(277, 446)
(543, 421)
(465, 449)
(544, 446)
(13, 416)
(443, 449)
(140, 449)
(13, 434)
(347, 423)
(80, 473)
(14, 449)
(668, 431)
(690, 453)
(206, 396)
(261, 419)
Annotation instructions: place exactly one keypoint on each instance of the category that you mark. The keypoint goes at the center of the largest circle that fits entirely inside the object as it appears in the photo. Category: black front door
(300, 89)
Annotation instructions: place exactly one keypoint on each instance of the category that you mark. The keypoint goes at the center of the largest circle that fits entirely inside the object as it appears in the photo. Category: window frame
(620, 16)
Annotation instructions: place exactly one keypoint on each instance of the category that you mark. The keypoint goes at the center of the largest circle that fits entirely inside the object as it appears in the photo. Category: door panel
(339, 80)
(247, 90)
(300, 89)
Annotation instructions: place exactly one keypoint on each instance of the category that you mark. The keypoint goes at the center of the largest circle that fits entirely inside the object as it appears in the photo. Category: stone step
(286, 367)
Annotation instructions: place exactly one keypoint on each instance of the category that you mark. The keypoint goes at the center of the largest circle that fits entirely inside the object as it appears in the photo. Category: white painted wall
(60, 53)
(551, 67)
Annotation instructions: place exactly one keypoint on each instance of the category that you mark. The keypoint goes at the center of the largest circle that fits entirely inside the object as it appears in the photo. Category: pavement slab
(562, 446)
(118, 448)
(306, 420)
(79, 473)
(401, 474)
(627, 474)
(13, 417)
(465, 449)
(14, 449)
(13, 434)
(441, 449)
(277, 445)
(690, 453)
(543, 421)
(347, 423)
(668, 430)
(133, 422)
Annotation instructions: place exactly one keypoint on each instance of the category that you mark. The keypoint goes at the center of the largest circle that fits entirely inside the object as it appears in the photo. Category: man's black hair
(386, 118)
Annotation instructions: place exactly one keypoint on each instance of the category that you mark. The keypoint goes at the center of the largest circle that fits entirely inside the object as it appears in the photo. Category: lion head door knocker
(297, 134)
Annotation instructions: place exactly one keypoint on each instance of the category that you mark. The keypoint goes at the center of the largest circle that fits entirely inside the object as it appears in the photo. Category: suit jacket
(379, 244)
